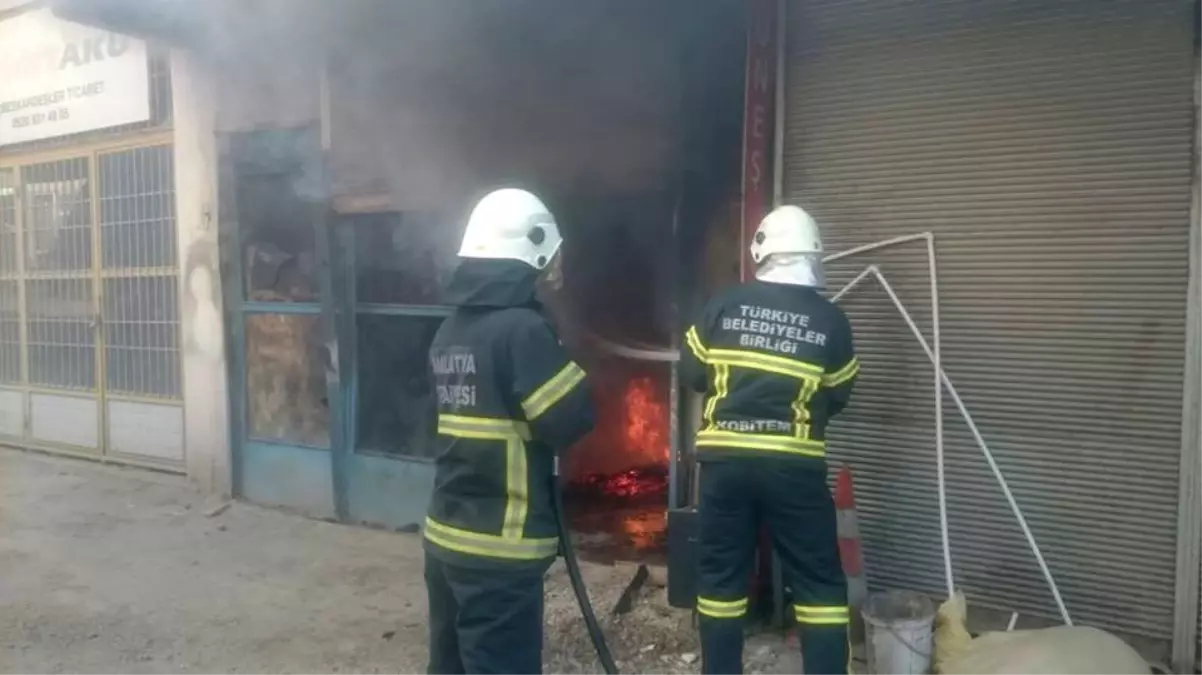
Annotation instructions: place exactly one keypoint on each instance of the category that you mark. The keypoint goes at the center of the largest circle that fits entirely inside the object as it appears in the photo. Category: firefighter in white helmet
(509, 399)
(775, 361)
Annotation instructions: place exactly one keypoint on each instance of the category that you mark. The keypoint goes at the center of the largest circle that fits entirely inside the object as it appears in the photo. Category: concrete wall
(206, 416)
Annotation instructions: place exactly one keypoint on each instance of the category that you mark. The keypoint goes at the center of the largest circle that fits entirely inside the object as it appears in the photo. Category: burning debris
(638, 482)
(634, 428)
(617, 490)
(632, 422)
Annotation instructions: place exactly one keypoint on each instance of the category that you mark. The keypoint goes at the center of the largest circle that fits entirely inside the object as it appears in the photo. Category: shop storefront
(331, 317)
(89, 309)
(1048, 147)
(344, 179)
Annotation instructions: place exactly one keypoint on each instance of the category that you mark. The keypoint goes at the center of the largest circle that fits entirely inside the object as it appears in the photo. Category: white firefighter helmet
(511, 224)
(787, 229)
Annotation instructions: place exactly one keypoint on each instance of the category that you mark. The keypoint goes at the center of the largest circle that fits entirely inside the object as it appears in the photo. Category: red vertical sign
(758, 109)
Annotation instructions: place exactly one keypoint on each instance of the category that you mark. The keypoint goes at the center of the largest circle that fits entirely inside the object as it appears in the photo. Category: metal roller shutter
(1047, 146)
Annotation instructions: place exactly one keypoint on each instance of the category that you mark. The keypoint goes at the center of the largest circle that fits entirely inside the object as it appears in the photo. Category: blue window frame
(395, 267)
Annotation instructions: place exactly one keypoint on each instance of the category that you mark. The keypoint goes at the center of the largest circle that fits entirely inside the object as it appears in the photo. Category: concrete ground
(104, 569)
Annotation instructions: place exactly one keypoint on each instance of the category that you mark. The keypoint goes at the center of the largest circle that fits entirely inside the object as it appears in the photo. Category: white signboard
(59, 78)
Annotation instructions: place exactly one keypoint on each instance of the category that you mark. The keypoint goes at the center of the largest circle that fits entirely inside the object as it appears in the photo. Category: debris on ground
(120, 570)
(650, 637)
(219, 509)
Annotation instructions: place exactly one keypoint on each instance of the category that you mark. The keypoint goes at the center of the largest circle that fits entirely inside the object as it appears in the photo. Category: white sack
(1064, 649)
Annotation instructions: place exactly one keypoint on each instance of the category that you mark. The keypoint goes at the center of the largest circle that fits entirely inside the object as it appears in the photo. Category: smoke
(427, 104)
(432, 102)
(622, 114)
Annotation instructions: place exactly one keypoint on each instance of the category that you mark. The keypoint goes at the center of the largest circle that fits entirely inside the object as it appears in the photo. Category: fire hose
(569, 558)
(635, 352)
(595, 634)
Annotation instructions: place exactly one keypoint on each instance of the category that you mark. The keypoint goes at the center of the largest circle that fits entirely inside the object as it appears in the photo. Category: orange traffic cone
(850, 552)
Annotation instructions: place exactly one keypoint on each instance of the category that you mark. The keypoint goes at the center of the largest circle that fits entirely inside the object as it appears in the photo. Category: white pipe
(940, 468)
(945, 536)
(853, 283)
(1013, 622)
(976, 434)
(875, 245)
(937, 362)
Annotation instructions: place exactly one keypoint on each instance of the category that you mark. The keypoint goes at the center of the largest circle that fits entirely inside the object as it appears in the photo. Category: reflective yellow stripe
(517, 489)
(740, 603)
(721, 382)
(552, 391)
(801, 408)
(765, 362)
(821, 616)
(722, 360)
(843, 374)
(721, 613)
(517, 497)
(822, 622)
(694, 341)
(485, 428)
(822, 610)
(488, 545)
(722, 609)
(736, 439)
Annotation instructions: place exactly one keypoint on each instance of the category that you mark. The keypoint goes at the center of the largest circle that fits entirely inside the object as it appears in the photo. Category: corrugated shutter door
(1047, 146)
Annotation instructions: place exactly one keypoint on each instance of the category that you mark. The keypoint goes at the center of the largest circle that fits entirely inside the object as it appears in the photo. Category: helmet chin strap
(796, 270)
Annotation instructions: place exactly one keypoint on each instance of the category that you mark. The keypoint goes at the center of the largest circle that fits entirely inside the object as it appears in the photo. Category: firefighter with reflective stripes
(775, 361)
(509, 399)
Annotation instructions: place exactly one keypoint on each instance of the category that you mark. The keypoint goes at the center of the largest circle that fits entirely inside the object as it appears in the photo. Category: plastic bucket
(898, 633)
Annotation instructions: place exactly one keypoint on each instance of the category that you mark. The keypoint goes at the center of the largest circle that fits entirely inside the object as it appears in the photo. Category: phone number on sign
(56, 115)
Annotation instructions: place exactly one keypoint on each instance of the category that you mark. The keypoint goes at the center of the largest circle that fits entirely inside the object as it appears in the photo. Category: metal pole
(778, 131)
(1189, 501)
(674, 369)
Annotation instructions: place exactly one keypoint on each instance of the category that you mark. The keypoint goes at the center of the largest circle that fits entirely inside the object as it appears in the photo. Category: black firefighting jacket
(776, 363)
(509, 398)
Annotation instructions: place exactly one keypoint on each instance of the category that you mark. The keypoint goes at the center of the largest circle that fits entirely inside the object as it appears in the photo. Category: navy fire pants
(484, 620)
(792, 498)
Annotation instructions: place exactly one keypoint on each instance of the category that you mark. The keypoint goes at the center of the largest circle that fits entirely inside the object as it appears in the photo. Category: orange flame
(630, 434)
(626, 455)
(645, 419)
